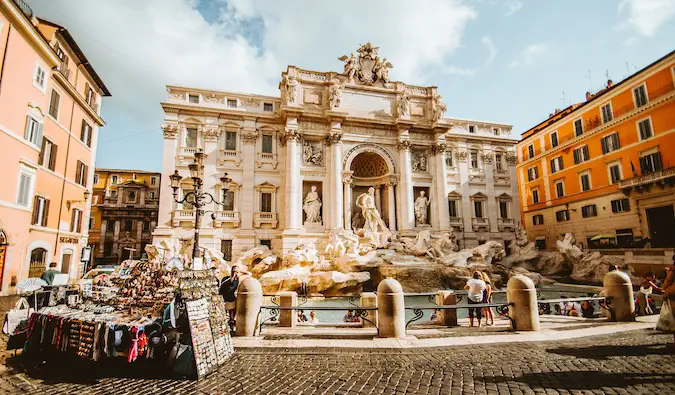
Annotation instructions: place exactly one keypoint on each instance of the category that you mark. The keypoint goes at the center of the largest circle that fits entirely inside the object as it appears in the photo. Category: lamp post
(199, 198)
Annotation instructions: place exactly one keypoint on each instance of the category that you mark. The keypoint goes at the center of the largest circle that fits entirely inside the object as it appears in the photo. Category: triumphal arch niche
(301, 160)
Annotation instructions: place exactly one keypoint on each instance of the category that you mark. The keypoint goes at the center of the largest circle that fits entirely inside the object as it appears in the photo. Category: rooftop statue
(368, 69)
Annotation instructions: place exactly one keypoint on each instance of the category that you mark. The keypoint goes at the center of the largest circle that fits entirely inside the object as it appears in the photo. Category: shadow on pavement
(584, 380)
(604, 352)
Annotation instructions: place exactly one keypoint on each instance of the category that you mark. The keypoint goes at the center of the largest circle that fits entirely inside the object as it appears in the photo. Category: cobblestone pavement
(628, 363)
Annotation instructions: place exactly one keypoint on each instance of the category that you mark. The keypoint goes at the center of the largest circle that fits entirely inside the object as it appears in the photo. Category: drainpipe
(4, 55)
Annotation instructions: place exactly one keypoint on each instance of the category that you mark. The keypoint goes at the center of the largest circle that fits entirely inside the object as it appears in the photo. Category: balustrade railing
(647, 178)
(260, 218)
(189, 151)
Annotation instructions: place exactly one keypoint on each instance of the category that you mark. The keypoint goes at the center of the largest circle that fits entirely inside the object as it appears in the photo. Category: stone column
(369, 299)
(524, 312)
(378, 197)
(405, 209)
(249, 300)
(465, 205)
(446, 317)
(293, 183)
(492, 209)
(101, 238)
(288, 318)
(441, 184)
(617, 286)
(170, 150)
(390, 308)
(249, 136)
(335, 177)
(116, 237)
(347, 181)
(391, 201)
(139, 237)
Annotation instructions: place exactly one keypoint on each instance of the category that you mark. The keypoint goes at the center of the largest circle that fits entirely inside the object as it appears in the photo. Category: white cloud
(646, 16)
(513, 6)
(459, 71)
(531, 54)
(492, 50)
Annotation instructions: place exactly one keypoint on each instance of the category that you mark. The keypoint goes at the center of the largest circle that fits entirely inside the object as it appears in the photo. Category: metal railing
(25, 8)
(502, 308)
(275, 311)
(648, 178)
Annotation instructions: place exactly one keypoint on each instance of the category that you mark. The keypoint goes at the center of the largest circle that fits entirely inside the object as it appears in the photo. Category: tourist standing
(666, 322)
(475, 286)
(647, 287)
(487, 298)
(48, 276)
(312, 318)
(228, 290)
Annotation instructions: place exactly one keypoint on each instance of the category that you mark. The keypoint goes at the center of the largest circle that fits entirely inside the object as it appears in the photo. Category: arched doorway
(38, 258)
(370, 169)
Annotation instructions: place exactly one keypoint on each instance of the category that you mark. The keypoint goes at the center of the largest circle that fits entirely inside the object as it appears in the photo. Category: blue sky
(506, 61)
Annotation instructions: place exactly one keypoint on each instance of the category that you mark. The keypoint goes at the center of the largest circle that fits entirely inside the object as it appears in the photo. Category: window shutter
(72, 220)
(85, 175)
(657, 162)
(79, 221)
(576, 156)
(77, 172)
(552, 166)
(603, 142)
(36, 209)
(52, 157)
(643, 165)
(586, 154)
(42, 152)
(45, 213)
(84, 124)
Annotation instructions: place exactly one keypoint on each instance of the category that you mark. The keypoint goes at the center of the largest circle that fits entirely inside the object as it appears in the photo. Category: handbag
(20, 312)
(666, 322)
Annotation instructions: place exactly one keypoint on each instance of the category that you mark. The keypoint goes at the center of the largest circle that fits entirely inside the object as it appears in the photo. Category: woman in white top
(475, 286)
(647, 287)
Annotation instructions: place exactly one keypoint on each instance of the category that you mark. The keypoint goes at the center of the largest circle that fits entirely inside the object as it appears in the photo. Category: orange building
(605, 166)
(49, 120)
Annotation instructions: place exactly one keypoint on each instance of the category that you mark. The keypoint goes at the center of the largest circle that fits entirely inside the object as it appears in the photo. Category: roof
(80, 55)
(100, 170)
(576, 107)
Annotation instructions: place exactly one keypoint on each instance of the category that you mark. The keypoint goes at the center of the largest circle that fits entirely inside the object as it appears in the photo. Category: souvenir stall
(156, 311)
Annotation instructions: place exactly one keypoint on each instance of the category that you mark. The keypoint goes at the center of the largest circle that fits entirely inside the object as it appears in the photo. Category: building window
(128, 225)
(267, 243)
(562, 215)
(38, 259)
(153, 180)
(530, 151)
(33, 131)
(226, 249)
(96, 178)
(113, 180)
(499, 161)
(559, 189)
(589, 211)
(532, 173)
(131, 197)
(610, 143)
(472, 129)
(92, 223)
(146, 226)
(231, 141)
(581, 154)
(90, 95)
(25, 186)
(452, 209)
(85, 133)
(645, 128)
(614, 173)
(538, 219)
(232, 103)
(495, 131)
(503, 209)
(651, 163)
(578, 127)
(268, 107)
(607, 113)
(76, 221)
(554, 139)
(540, 244)
(40, 77)
(228, 200)
(81, 171)
(191, 137)
(151, 195)
(556, 164)
(474, 159)
(193, 98)
(267, 147)
(620, 205)
(48, 154)
(478, 208)
(266, 202)
(448, 159)
(535, 195)
(54, 104)
(113, 194)
(40, 211)
(640, 95)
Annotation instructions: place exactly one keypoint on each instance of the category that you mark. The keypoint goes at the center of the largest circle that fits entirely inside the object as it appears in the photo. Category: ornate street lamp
(197, 197)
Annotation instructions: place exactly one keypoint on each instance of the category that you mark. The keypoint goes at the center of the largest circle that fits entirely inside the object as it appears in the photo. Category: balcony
(480, 224)
(189, 151)
(644, 181)
(266, 158)
(226, 156)
(183, 215)
(506, 223)
(228, 217)
(456, 222)
(261, 218)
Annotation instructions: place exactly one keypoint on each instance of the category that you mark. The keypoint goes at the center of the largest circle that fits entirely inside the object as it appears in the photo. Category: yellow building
(605, 166)
(123, 214)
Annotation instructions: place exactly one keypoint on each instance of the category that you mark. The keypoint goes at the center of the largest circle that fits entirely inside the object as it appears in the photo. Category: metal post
(198, 193)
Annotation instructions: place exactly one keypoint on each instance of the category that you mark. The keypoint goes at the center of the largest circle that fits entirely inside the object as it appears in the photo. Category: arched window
(3, 237)
(38, 259)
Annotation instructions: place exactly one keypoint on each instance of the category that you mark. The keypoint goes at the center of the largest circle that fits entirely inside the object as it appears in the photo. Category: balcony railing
(505, 223)
(265, 157)
(227, 155)
(456, 221)
(261, 218)
(228, 217)
(183, 215)
(189, 151)
(478, 223)
(647, 178)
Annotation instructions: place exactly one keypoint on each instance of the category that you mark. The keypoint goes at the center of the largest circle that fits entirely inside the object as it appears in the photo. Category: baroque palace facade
(298, 162)
(605, 167)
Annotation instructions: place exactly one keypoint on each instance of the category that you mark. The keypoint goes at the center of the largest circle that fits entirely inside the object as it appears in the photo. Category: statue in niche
(403, 103)
(419, 161)
(312, 207)
(291, 89)
(373, 221)
(439, 107)
(335, 93)
(312, 154)
(421, 206)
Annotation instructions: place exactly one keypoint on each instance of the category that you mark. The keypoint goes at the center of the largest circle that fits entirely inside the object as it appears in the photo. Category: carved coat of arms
(368, 68)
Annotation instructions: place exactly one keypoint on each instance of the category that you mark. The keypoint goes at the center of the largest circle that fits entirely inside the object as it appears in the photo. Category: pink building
(49, 121)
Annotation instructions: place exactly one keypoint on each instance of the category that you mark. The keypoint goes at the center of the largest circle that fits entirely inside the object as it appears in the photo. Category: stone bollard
(288, 318)
(524, 313)
(617, 286)
(249, 300)
(390, 308)
(446, 317)
(369, 299)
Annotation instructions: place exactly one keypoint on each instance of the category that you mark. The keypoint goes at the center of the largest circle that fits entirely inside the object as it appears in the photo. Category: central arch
(369, 148)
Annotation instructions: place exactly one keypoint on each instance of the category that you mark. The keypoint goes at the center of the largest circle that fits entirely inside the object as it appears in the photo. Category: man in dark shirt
(49, 275)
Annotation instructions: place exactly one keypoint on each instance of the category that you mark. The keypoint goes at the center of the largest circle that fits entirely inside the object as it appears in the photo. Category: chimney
(588, 96)
(610, 83)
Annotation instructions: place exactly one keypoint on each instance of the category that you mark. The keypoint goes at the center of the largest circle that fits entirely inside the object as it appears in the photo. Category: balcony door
(661, 222)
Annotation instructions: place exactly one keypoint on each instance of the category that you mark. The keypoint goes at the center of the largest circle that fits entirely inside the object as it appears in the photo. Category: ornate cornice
(333, 138)
(511, 159)
(462, 155)
(487, 157)
(170, 130)
(438, 148)
(211, 132)
(249, 135)
(404, 145)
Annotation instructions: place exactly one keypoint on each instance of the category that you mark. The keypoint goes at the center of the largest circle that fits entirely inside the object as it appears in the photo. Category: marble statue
(368, 68)
(291, 89)
(419, 161)
(403, 103)
(438, 108)
(335, 93)
(421, 207)
(312, 153)
(312, 207)
(381, 70)
(351, 66)
(374, 230)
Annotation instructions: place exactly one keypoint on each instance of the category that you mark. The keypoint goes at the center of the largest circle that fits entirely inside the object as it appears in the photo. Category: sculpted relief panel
(419, 161)
(312, 152)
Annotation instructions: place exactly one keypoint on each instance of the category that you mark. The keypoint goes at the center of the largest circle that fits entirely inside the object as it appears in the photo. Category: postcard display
(208, 320)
